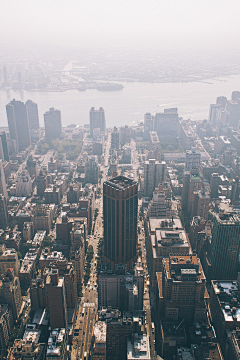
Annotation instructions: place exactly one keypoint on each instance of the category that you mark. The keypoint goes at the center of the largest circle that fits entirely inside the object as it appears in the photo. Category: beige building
(99, 338)
(10, 292)
(165, 237)
(181, 289)
(8, 259)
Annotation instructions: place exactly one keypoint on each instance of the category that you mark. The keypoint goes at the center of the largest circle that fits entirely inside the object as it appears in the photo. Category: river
(128, 106)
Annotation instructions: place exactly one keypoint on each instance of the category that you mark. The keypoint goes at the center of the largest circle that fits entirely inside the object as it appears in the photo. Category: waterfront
(129, 105)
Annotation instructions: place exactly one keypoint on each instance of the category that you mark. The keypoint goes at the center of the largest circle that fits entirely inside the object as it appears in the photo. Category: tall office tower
(115, 139)
(91, 173)
(41, 183)
(4, 145)
(57, 306)
(167, 125)
(148, 122)
(222, 100)
(192, 159)
(97, 120)
(213, 113)
(32, 110)
(3, 212)
(154, 174)
(192, 182)
(225, 246)
(124, 135)
(182, 289)
(215, 181)
(233, 107)
(120, 210)
(53, 124)
(10, 292)
(18, 123)
(3, 187)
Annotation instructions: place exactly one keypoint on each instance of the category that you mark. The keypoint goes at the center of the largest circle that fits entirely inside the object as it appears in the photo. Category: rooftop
(100, 331)
(55, 342)
(228, 293)
(121, 182)
(138, 347)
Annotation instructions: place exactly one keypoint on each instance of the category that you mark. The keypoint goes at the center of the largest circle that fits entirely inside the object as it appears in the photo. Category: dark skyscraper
(33, 119)
(97, 120)
(120, 209)
(18, 123)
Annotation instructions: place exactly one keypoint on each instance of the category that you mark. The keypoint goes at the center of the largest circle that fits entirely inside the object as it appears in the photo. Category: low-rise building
(138, 347)
(57, 345)
(99, 348)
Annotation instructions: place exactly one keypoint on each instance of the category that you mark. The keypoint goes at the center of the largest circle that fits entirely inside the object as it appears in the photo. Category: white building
(192, 159)
(23, 184)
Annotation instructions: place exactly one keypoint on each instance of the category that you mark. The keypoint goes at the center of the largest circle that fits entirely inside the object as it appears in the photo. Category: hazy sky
(140, 23)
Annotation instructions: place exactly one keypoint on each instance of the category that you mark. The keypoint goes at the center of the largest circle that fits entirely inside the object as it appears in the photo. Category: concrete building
(18, 123)
(192, 182)
(32, 110)
(53, 124)
(167, 125)
(10, 292)
(32, 167)
(52, 195)
(23, 184)
(91, 171)
(121, 290)
(25, 349)
(148, 122)
(41, 183)
(193, 158)
(97, 120)
(3, 212)
(120, 210)
(73, 195)
(6, 324)
(115, 138)
(165, 237)
(225, 310)
(233, 352)
(154, 174)
(8, 259)
(161, 205)
(4, 145)
(138, 347)
(57, 345)
(3, 187)
(63, 229)
(57, 306)
(225, 246)
(181, 289)
(41, 218)
(99, 348)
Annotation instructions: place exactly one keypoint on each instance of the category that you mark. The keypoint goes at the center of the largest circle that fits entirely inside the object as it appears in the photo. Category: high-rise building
(115, 139)
(192, 160)
(120, 210)
(167, 125)
(4, 145)
(192, 182)
(225, 246)
(97, 120)
(53, 124)
(3, 187)
(148, 122)
(10, 292)
(92, 171)
(18, 123)
(154, 174)
(41, 182)
(57, 306)
(3, 212)
(32, 110)
(182, 289)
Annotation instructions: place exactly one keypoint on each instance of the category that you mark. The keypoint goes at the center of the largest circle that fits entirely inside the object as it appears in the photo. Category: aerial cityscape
(120, 243)
(120, 180)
